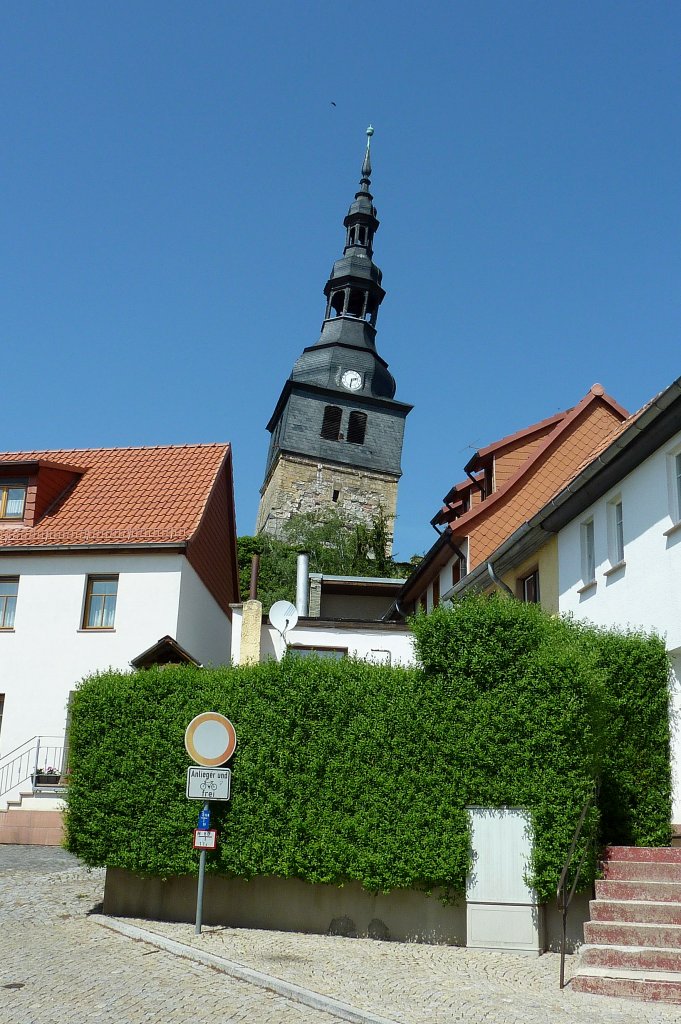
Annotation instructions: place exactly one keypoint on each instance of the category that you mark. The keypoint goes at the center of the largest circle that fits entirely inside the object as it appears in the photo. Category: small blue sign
(204, 818)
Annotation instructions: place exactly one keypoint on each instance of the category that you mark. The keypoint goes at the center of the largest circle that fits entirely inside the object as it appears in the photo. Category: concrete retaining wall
(292, 905)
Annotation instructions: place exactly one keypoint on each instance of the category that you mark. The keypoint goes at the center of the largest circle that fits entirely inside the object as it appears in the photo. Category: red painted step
(635, 910)
(629, 988)
(614, 889)
(655, 854)
(624, 933)
(643, 871)
(633, 958)
(634, 936)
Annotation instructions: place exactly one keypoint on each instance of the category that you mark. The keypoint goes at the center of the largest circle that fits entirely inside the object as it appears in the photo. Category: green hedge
(346, 770)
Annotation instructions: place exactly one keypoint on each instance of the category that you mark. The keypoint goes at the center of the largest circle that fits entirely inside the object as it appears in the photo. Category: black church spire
(353, 294)
(337, 429)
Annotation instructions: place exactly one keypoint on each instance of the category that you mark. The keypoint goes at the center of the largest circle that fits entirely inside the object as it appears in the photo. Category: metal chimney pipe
(255, 571)
(302, 583)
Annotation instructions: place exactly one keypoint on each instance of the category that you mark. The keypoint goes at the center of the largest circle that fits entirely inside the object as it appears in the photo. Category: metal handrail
(31, 740)
(565, 898)
(26, 764)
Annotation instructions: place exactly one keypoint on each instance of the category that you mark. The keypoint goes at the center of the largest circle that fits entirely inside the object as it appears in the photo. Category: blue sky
(175, 175)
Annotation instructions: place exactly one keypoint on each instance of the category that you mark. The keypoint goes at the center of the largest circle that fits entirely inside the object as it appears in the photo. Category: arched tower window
(331, 423)
(337, 303)
(357, 427)
(356, 303)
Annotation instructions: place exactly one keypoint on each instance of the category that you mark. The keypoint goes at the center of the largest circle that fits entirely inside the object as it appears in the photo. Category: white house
(607, 546)
(619, 559)
(103, 552)
(337, 617)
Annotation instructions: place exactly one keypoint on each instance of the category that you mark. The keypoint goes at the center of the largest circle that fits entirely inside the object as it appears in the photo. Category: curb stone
(344, 1011)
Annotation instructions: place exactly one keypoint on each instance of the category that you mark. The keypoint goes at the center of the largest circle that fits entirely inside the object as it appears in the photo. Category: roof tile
(151, 495)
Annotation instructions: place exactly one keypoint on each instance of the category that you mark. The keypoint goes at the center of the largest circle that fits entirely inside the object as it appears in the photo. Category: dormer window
(12, 499)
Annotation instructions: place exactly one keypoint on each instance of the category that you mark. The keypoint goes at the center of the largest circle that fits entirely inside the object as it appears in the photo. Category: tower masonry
(337, 430)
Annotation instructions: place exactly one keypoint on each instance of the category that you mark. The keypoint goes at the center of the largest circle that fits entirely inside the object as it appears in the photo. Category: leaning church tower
(336, 430)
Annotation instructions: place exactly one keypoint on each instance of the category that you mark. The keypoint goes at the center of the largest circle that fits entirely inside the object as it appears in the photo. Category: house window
(436, 591)
(615, 532)
(330, 653)
(100, 602)
(331, 423)
(2, 708)
(529, 588)
(9, 587)
(12, 500)
(357, 426)
(588, 553)
(423, 603)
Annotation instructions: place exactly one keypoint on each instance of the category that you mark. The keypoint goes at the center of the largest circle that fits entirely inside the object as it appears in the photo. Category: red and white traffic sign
(210, 739)
(205, 838)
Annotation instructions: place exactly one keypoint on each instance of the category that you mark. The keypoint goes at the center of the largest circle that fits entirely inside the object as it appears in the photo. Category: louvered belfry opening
(331, 423)
(357, 427)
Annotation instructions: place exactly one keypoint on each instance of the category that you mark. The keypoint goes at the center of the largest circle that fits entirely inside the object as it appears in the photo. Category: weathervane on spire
(366, 166)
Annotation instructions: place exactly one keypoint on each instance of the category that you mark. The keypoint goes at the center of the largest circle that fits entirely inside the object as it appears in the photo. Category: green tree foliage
(351, 771)
(336, 546)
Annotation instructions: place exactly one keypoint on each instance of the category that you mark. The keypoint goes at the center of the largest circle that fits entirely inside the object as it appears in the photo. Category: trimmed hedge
(350, 771)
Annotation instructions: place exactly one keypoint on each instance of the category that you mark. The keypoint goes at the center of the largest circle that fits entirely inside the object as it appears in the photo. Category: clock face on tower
(352, 380)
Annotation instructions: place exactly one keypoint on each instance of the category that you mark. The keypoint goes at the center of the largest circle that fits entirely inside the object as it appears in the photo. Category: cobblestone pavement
(69, 968)
(57, 966)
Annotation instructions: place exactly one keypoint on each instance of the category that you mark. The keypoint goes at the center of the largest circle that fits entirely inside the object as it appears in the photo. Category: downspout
(302, 583)
(499, 582)
(452, 545)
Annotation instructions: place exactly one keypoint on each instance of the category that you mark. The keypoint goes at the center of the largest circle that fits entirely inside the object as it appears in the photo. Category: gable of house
(133, 498)
(519, 474)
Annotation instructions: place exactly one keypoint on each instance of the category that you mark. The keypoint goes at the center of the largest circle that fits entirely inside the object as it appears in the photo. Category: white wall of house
(48, 652)
(391, 647)
(645, 590)
(203, 629)
(388, 647)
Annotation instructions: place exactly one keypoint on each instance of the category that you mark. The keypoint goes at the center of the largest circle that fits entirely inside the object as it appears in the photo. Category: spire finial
(366, 166)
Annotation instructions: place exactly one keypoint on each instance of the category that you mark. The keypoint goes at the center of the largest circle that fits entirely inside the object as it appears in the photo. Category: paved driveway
(59, 965)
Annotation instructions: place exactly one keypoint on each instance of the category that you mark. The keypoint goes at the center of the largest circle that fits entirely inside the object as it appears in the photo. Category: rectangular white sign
(208, 783)
(205, 839)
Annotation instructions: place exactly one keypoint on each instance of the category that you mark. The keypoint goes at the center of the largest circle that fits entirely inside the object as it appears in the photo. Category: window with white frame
(529, 588)
(615, 532)
(588, 553)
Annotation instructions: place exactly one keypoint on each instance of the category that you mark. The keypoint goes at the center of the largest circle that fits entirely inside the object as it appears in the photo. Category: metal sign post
(210, 740)
(205, 815)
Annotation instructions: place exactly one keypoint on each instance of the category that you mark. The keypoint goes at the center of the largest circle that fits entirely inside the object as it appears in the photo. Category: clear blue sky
(174, 178)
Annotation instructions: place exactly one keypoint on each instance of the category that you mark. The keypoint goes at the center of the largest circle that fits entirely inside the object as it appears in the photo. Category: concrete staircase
(34, 819)
(633, 939)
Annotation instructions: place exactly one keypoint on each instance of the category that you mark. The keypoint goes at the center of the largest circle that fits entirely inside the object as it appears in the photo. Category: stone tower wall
(297, 485)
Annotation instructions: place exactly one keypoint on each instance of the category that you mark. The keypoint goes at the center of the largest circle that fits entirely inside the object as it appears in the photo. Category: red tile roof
(572, 441)
(120, 496)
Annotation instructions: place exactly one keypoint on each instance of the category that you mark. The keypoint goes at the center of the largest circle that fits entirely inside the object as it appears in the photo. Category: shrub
(351, 771)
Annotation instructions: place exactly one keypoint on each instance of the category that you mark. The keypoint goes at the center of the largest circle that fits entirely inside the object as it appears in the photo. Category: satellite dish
(283, 616)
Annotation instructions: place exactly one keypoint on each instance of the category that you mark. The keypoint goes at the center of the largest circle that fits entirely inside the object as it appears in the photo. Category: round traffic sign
(210, 739)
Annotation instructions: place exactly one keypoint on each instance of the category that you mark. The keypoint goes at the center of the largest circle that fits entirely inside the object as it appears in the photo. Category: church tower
(337, 431)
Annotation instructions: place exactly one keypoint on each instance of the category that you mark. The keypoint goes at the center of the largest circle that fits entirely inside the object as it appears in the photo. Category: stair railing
(24, 762)
(564, 895)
